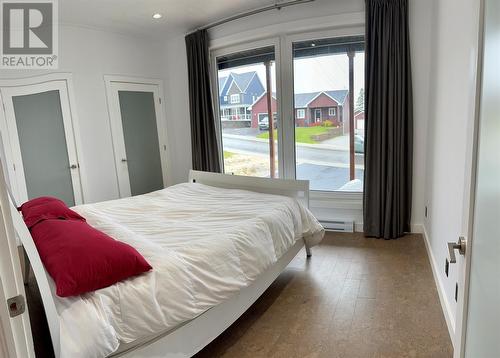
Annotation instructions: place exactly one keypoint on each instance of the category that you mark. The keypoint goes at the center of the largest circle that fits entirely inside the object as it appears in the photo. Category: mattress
(204, 244)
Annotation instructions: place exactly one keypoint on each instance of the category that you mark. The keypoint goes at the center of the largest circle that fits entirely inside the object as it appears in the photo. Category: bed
(215, 243)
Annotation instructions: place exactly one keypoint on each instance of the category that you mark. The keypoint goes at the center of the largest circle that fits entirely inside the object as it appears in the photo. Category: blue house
(237, 93)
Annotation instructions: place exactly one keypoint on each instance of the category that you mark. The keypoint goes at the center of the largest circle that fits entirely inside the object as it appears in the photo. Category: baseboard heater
(338, 225)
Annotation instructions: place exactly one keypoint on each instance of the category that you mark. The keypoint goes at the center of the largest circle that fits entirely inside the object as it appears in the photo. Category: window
(329, 151)
(225, 98)
(235, 98)
(249, 140)
(323, 135)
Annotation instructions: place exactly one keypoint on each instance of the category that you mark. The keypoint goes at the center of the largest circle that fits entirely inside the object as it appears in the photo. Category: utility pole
(352, 157)
(269, 95)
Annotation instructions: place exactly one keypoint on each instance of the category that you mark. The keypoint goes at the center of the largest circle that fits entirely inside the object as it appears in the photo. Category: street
(306, 153)
(325, 168)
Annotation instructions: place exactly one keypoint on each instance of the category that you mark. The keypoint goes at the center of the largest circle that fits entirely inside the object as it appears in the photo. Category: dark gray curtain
(389, 120)
(203, 138)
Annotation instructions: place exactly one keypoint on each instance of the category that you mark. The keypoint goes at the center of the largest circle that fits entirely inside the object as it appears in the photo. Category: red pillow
(44, 208)
(38, 201)
(81, 259)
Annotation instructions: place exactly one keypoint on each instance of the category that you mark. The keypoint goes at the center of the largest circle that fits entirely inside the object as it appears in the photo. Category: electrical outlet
(456, 292)
(446, 267)
(426, 211)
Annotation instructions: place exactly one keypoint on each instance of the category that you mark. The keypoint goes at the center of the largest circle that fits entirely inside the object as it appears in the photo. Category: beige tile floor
(356, 297)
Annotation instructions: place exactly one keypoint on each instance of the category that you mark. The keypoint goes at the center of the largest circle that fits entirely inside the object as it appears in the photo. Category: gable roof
(222, 82)
(302, 100)
(242, 80)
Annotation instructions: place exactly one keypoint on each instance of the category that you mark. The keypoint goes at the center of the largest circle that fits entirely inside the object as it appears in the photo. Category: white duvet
(204, 244)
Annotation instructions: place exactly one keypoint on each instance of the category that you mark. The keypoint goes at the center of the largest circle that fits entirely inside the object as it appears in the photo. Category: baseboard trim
(445, 304)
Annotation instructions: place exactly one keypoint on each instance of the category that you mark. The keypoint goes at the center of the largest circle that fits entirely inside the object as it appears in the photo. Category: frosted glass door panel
(140, 134)
(42, 139)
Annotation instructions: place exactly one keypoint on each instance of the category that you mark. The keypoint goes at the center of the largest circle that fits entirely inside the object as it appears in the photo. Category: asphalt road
(305, 154)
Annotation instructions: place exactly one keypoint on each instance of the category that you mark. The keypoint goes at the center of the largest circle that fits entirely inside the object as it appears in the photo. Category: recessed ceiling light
(313, 44)
(157, 16)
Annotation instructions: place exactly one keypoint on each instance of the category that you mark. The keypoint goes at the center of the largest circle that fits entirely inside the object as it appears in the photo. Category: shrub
(327, 123)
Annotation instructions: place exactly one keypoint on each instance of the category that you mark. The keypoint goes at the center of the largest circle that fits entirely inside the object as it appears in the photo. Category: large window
(321, 135)
(329, 141)
(249, 136)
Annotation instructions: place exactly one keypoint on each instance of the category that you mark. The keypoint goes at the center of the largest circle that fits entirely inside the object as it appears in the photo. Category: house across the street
(311, 108)
(237, 92)
(243, 103)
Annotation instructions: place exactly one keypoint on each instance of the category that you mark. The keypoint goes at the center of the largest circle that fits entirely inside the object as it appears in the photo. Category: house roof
(302, 100)
(222, 82)
(242, 80)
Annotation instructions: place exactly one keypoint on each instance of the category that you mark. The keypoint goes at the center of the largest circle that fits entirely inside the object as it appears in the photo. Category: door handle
(124, 160)
(461, 246)
(73, 166)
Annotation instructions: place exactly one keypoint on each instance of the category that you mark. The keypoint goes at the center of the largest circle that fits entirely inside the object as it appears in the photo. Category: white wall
(452, 90)
(89, 54)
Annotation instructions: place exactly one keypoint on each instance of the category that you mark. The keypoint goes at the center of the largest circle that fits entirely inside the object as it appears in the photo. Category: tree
(360, 102)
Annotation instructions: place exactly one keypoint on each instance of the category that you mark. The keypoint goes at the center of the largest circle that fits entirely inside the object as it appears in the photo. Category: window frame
(303, 113)
(235, 98)
(217, 51)
(284, 93)
(287, 60)
(332, 111)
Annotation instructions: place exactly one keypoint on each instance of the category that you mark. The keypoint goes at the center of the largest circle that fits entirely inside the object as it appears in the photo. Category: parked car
(359, 144)
(264, 124)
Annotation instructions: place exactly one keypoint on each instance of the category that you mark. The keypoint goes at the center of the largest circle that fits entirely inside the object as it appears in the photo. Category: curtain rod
(276, 6)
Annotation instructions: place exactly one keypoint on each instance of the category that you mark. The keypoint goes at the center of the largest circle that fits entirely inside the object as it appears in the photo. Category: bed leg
(308, 251)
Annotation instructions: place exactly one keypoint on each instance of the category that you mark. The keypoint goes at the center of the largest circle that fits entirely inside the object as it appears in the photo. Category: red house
(259, 109)
(359, 121)
(310, 108)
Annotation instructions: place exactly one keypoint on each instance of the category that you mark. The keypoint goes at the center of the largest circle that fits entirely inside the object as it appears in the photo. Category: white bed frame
(194, 335)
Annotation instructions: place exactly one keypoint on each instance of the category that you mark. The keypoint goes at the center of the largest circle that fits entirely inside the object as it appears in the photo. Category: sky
(315, 74)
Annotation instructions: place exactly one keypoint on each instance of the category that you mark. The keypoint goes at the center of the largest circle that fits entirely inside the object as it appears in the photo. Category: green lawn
(227, 154)
(302, 134)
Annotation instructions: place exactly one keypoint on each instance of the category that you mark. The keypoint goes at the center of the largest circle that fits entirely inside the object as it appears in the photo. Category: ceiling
(135, 16)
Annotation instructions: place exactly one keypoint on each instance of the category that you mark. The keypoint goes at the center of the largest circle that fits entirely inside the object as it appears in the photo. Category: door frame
(63, 82)
(316, 117)
(115, 121)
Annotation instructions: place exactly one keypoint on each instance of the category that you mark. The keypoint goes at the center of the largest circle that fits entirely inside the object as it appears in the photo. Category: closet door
(139, 146)
(41, 142)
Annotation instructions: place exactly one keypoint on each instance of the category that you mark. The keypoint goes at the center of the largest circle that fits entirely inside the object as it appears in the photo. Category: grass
(302, 134)
(227, 154)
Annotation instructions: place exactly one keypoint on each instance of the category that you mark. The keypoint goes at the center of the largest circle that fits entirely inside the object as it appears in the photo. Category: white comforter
(204, 244)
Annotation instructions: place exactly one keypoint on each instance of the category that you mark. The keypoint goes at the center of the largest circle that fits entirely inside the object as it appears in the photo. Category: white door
(16, 340)
(139, 136)
(478, 319)
(39, 142)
